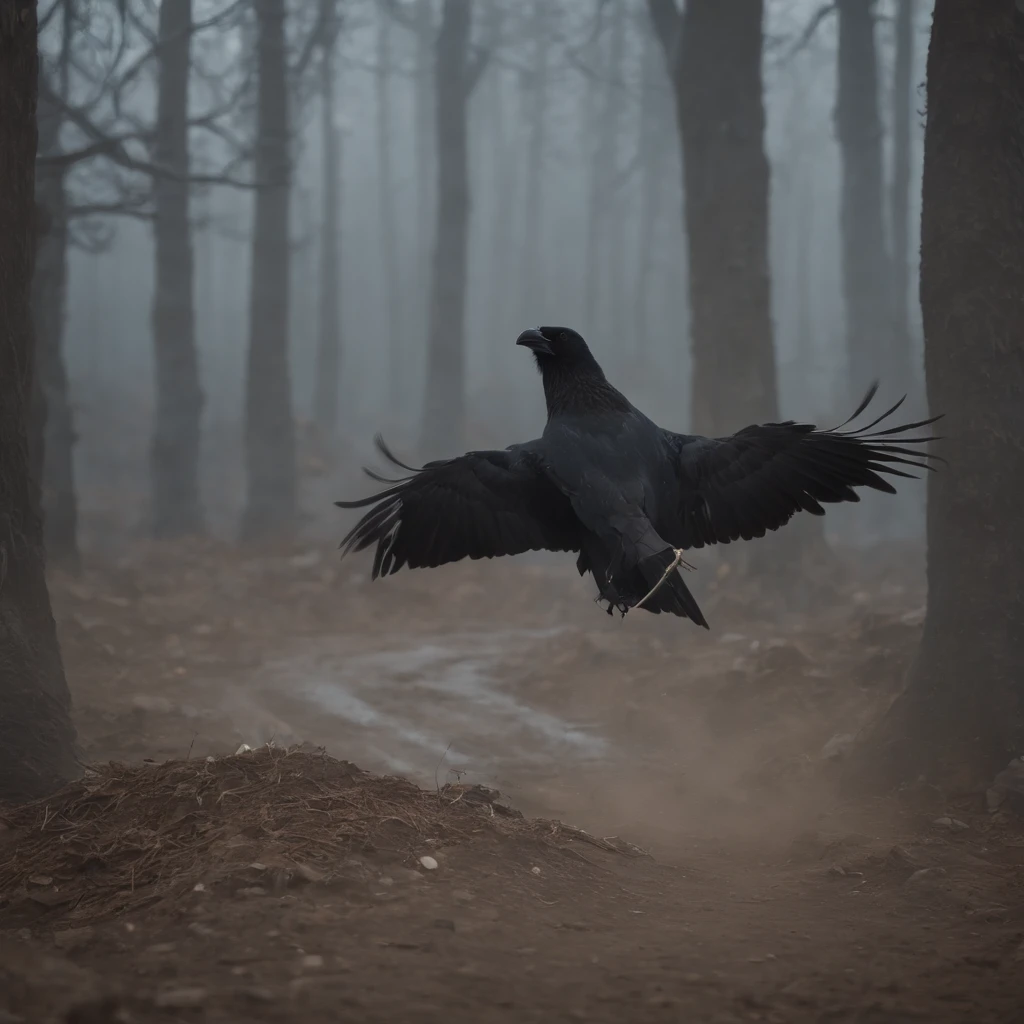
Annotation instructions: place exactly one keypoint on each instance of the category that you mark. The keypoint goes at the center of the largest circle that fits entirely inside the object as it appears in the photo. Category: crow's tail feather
(673, 596)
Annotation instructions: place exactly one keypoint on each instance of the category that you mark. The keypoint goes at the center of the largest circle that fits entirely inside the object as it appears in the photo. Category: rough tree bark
(714, 60)
(271, 499)
(872, 351)
(36, 735)
(175, 507)
(328, 352)
(54, 419)
(961, 717)
(456, 72)
(899, 195)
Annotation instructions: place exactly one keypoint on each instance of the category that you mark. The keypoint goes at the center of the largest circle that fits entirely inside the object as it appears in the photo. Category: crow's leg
(676, 563)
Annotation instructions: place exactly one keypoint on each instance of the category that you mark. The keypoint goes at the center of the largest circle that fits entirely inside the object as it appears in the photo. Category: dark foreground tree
(713, 50)
(456, 72)
(54, 419)
(174, 454)
(36, 736)
(270, 461)
(961, 717)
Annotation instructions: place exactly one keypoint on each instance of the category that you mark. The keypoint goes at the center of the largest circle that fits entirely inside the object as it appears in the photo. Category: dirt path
(766, 899)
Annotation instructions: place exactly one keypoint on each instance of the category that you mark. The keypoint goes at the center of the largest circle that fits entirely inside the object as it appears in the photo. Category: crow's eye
(563, 336)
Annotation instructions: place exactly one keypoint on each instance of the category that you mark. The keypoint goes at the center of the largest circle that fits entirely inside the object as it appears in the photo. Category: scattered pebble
(199, 887)
(313, 960)
(40, 881)
(428, 863)
(951, 823)
(535, 870)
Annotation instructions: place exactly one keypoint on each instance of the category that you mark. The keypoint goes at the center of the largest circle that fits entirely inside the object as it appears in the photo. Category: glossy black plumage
(608, 483)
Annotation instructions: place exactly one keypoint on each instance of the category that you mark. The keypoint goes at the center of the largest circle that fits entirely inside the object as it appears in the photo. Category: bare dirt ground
(186, 882)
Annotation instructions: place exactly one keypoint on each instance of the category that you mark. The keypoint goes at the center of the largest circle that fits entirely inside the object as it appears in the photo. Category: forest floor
(710, 867)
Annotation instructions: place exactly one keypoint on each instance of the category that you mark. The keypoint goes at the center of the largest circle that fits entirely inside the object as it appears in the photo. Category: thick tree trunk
(269, 427)
(961, 718)
(394, 308)
(175, 507)
(872, 351)
(53, 417)
(899, 197)
(36, 735)
(328, 353)
(715, 63)
(444, 404)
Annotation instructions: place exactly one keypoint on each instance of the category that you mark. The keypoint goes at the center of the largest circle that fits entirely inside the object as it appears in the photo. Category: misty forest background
(273, 228)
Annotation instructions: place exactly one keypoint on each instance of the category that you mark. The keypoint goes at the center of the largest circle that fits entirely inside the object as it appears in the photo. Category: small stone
(199, 887)
(180, 998)
(253, 890)
(535, 871)
(313, 960)
(40, 881)
(428, 863)
(160, 948)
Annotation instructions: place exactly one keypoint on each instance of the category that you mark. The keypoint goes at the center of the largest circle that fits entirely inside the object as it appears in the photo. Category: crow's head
(556, 346)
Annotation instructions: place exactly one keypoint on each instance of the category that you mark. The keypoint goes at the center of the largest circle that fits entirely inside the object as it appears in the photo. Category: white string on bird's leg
(673, 565)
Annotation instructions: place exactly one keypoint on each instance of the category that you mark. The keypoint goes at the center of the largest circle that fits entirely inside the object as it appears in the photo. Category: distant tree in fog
(713, 50)
(175, 508)
(961, 718)
(899, 197)
(328, 352)
(270, 455)
(36, 735)
(873, 347)
(394, 298)
(457, 69)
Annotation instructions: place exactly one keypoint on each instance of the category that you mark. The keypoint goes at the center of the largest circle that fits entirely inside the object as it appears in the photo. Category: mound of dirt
(126, 837)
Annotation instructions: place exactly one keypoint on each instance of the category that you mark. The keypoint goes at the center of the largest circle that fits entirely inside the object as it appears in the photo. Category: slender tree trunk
(867, 268)
(174, 454)
(653, 153)
(715, 63)
(899, 199)
(426, 155)
(455, 75)
(961, 718)
(599, 159)
(36, 735)
(269, 426)
(614, 283)
(54, 421)
(328, 354)
(394, 311)
(536, 102)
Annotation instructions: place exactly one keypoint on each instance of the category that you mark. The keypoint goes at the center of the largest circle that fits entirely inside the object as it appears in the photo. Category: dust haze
(370, 201)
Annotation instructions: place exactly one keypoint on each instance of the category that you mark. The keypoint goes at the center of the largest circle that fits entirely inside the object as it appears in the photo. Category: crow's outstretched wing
(479, 505)
(755, 481)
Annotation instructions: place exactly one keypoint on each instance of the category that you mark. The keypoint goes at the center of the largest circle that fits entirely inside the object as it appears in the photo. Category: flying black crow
(605, 481)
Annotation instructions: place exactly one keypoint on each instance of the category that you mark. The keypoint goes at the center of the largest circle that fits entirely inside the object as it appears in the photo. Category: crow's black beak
(536, 342)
